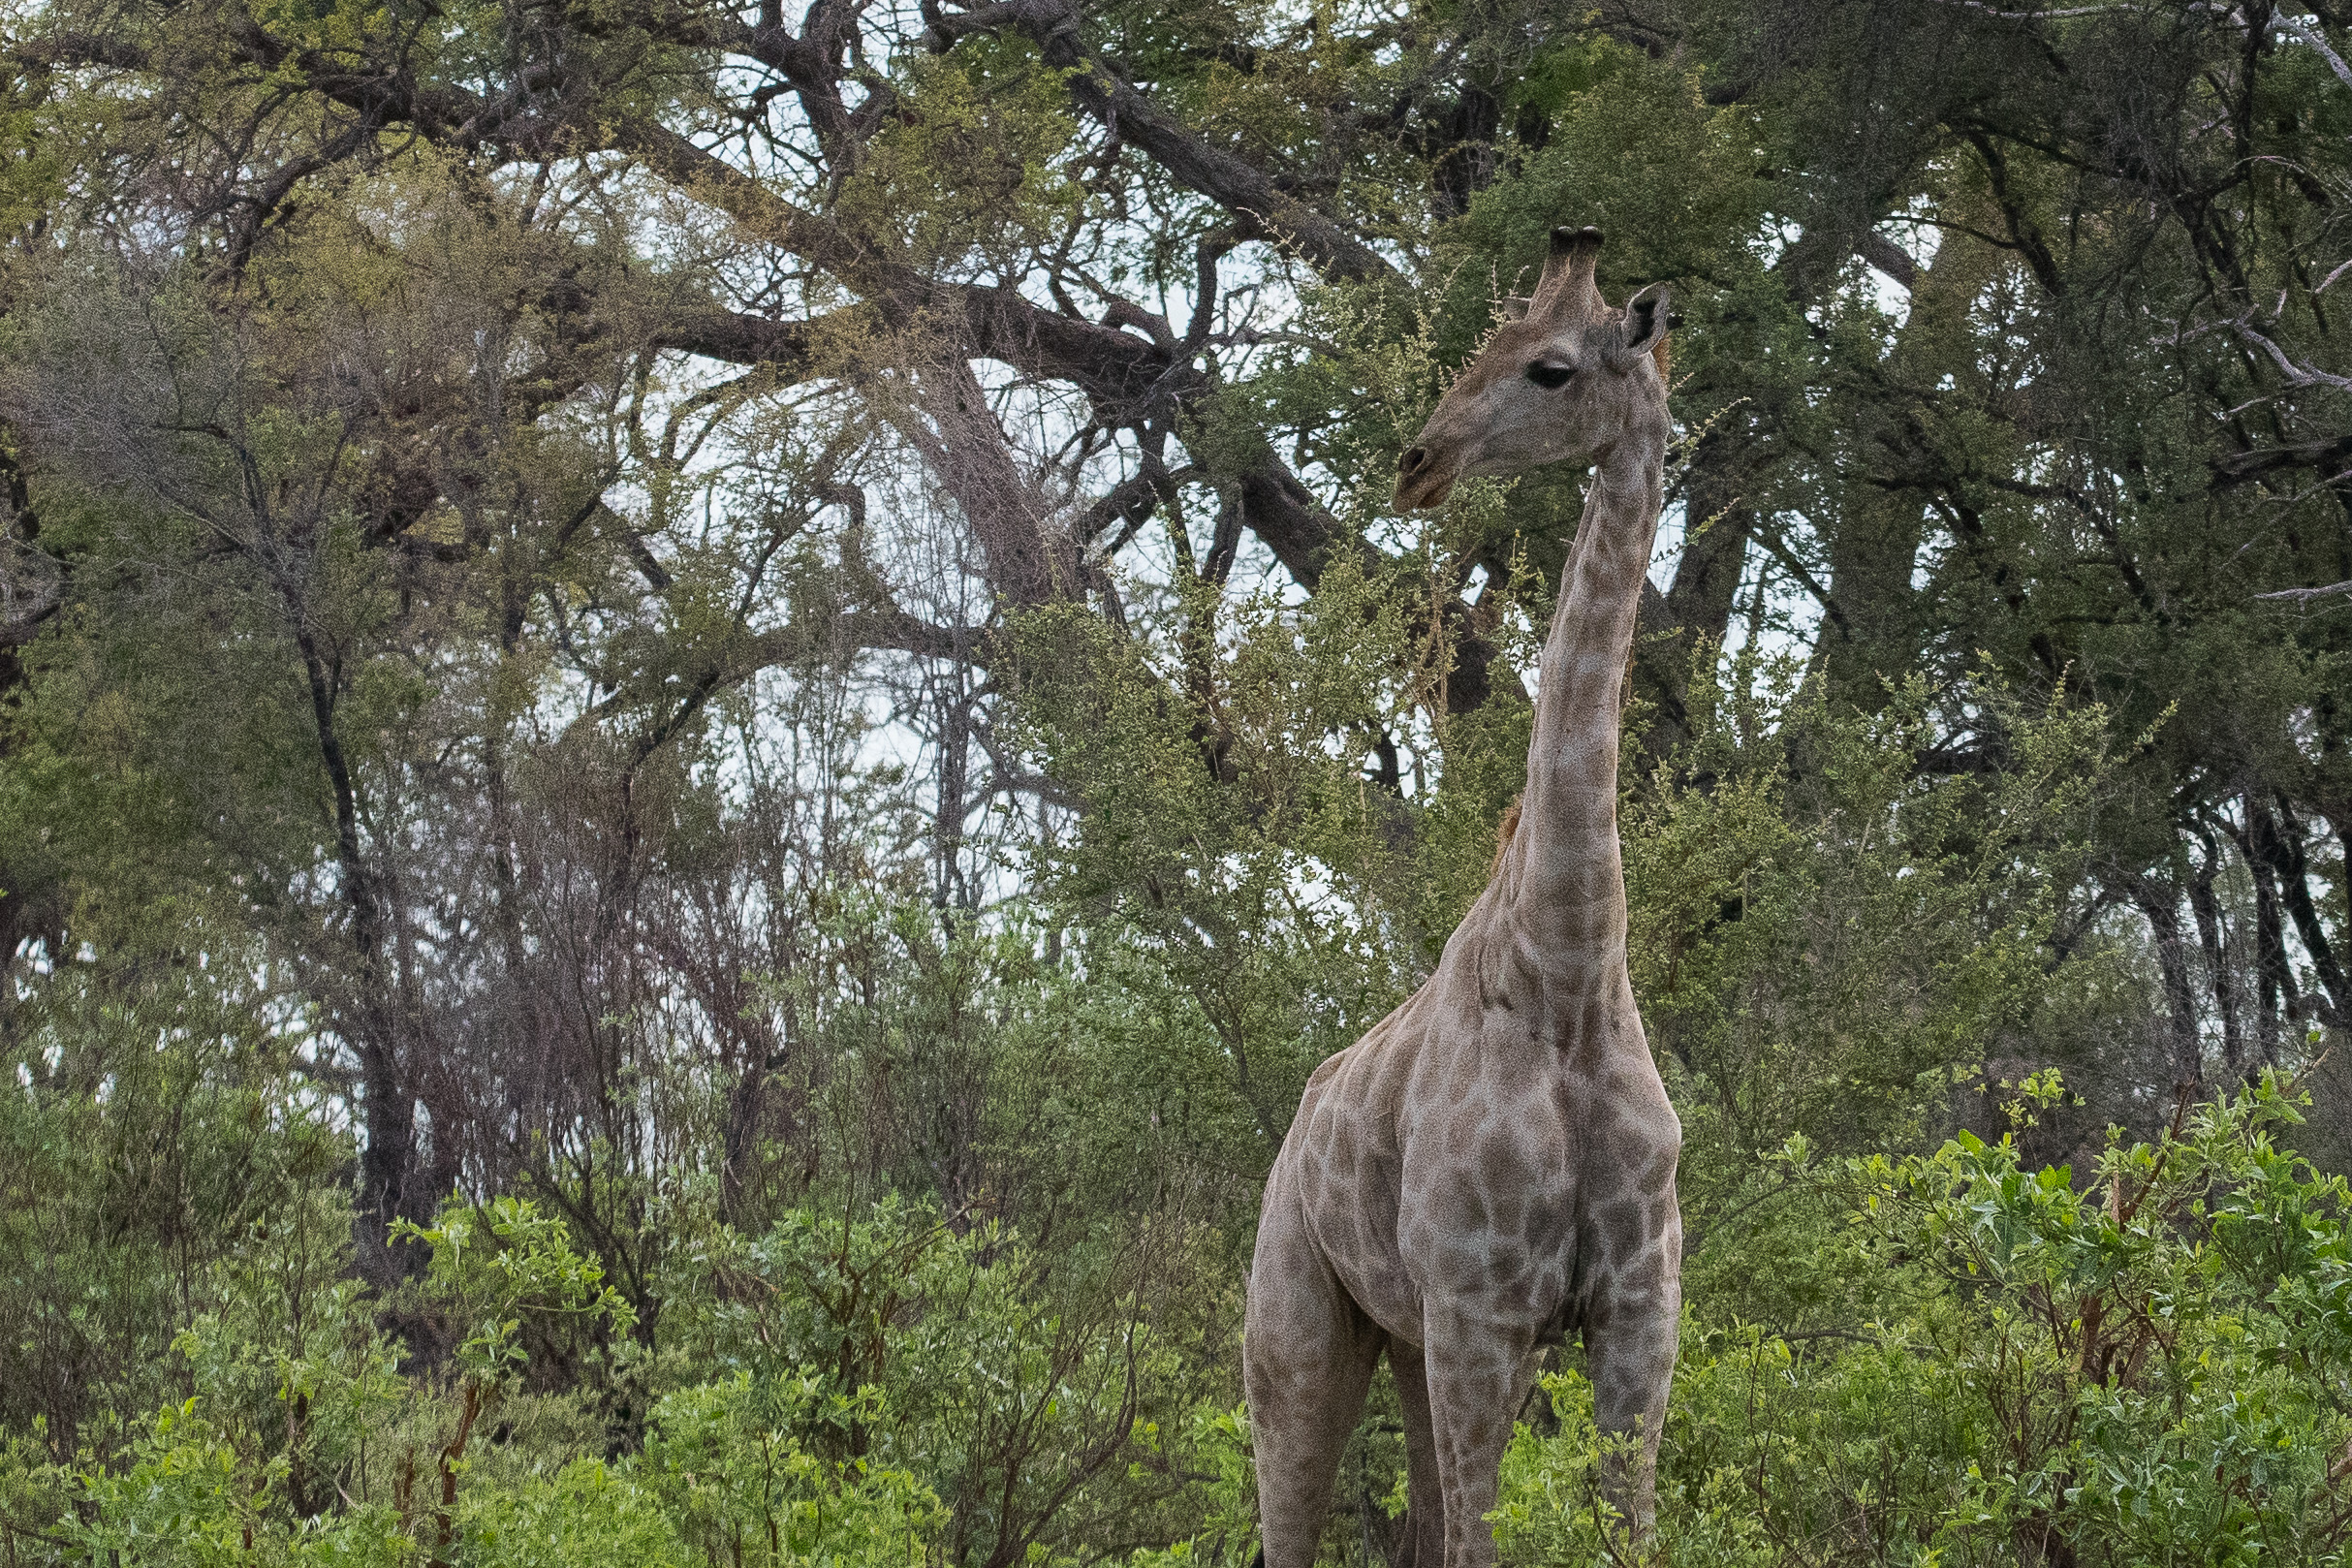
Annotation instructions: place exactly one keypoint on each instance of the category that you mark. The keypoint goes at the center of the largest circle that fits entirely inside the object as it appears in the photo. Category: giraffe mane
(1503, 834)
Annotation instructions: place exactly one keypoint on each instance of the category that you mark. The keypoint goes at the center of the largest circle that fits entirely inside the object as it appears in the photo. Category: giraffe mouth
(1422, 481)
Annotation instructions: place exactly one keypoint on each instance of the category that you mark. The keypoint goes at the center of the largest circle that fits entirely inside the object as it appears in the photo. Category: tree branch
(1233, 183)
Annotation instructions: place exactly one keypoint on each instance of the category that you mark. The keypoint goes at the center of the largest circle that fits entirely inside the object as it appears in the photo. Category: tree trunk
(2160, 902)
(2213, 939)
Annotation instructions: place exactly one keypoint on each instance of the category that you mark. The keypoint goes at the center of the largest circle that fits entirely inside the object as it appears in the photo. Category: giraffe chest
(1490, 1187)
(1471, 1195)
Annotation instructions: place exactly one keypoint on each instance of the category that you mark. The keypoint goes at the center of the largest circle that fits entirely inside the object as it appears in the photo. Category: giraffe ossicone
(1493, 1165)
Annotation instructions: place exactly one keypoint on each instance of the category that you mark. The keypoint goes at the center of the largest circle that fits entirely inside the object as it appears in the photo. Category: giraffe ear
(1512, 307)
(1645, 325)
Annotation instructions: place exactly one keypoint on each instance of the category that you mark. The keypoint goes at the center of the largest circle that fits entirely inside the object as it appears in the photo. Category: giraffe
(1493, 1165)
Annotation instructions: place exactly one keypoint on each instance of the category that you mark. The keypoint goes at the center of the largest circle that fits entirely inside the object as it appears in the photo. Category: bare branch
(1888, 256)
(2000, 14)
(734, 338)
(2303, 596)
(2317, 40)
(2297, 375)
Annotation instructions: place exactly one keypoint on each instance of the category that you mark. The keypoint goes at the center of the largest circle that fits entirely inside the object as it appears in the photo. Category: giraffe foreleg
(1425, 1491)
(1630, 1333)
(1307, 1354)
(1478, 1370)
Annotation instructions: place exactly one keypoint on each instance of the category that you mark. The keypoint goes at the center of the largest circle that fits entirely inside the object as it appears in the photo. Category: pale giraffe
(1492, 1166)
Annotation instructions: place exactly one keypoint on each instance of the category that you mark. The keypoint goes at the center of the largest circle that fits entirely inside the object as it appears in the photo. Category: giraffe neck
(1568, 891)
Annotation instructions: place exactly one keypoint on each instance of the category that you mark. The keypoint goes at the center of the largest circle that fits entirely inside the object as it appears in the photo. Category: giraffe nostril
(1414, 461)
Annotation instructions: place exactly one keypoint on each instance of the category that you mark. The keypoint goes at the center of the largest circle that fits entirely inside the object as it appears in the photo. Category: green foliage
(1816, 953)
(1240, 875)
(592, 1512)
(1021, 1391)
(153, 1133)
(299, 1399)
(720, 1481)
(973, 164)
(493, 1267)
(725, 1464)
(290, 1379)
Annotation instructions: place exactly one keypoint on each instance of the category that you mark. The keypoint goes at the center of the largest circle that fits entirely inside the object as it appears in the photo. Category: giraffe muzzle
(1421, 481)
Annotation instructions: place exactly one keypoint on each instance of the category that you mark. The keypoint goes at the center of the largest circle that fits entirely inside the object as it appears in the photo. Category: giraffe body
(1493, 1165)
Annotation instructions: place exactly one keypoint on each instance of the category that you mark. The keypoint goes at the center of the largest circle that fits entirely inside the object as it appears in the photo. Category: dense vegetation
(704, 711)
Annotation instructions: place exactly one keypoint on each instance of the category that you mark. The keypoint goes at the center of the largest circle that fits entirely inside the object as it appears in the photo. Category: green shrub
(738, 1487)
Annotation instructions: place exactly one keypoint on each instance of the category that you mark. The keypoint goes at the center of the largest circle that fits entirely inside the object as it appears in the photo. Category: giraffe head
(1563, 377)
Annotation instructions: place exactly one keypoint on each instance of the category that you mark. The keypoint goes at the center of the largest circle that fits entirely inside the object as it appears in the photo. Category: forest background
(705, 709)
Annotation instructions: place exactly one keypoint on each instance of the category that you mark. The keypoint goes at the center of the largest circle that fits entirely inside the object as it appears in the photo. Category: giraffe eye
(1550, 374)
